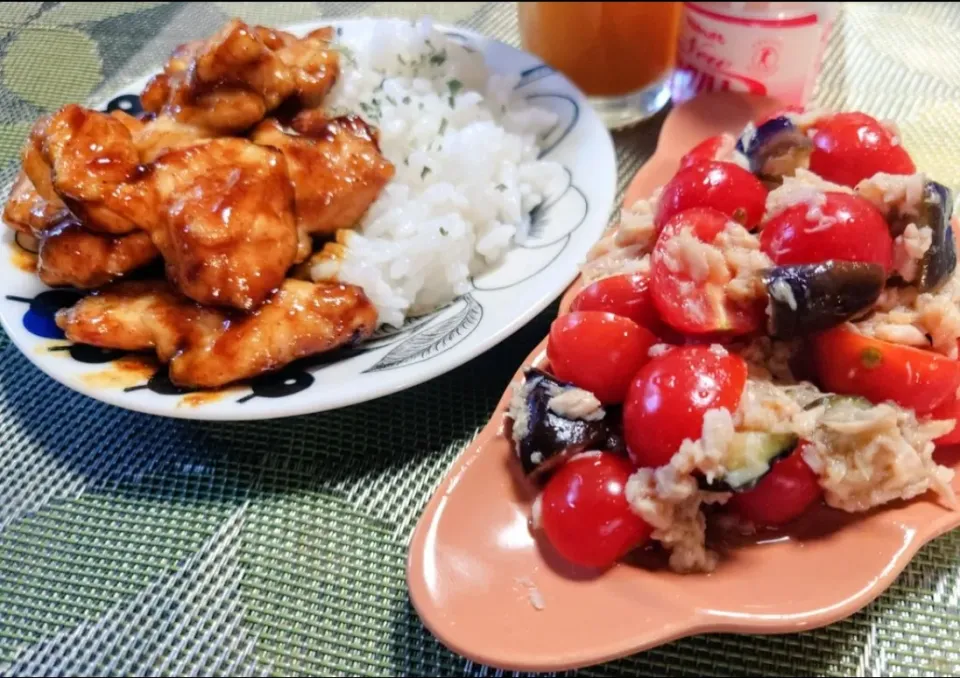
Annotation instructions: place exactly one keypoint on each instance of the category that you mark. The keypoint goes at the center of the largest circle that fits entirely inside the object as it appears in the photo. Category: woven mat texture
(132, 544)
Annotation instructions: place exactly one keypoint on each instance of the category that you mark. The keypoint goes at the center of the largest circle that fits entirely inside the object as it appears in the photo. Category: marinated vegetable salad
(775, 327)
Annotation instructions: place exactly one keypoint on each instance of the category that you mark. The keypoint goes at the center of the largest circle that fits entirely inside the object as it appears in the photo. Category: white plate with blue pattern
(531, 276)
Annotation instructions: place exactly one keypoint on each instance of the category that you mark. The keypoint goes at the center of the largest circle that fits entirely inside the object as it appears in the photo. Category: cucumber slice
(750, 457)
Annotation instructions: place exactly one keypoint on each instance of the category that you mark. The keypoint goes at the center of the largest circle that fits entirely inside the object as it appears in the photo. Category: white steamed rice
(465, 150)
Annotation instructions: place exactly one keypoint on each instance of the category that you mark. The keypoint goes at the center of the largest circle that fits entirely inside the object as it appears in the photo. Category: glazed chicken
(206, 347)
(156, 135)
(230, 201)
(226, 83)
(71, 255)
(335, 166)
(314, 65)
(163, 134)
(88, 160)
(227, 231)
(27, 212)
(230, 82)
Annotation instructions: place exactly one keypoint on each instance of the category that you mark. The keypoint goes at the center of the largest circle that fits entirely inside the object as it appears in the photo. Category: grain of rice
(806, 188)
(866, 457)
(744, 260)
(908, 250)
(895, 195)
(929, 320)
(533, 593)
(770, 359)
(669, 499)
(623, 249)
(718, 350)
(658, 350)
(576, 403)
(536, 513)
(782, 292)
(517, 411)
(467, 172)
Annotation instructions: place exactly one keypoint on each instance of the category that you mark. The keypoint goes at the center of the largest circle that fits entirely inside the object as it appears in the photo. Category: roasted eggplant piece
(940, 261)
(543, 437)
(615, 441)
(776, 149)
(750, 457)
(810, 298)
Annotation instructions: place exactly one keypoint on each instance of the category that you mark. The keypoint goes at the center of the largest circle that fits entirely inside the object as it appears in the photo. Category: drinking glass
(621, 54)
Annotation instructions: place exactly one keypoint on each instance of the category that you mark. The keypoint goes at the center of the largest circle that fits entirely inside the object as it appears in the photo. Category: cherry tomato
(706, 150)
(782, 495)
(670, 395)
(585, 514)
(689, 304)
(850, 147)
(599, 352)
(627, 296)
(950, 409)
(857, 232)
(723, 186)
(850, 363)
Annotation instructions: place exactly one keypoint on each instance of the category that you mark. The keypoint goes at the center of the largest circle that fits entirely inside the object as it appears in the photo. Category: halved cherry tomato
(850, 363)
(850, 147)
(782, 495)
(846, 227)
(687, 302)
(950, 409)
(625, 295)
(599, 352)
(585, 514)
(723, 186)
(706, 150)
(670, 395)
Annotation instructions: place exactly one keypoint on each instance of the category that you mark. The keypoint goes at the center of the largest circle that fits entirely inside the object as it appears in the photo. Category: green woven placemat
(131, 544)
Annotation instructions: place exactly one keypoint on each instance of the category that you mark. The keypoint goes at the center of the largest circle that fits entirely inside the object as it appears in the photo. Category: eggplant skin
(940, 261)
(777, 149)
(615, 442)
(809, 298)
(551, 439)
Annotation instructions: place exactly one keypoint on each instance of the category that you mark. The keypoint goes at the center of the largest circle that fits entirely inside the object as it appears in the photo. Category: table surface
(131, 544)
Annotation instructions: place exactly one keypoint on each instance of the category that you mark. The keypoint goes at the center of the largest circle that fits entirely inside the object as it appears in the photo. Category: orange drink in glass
(621, 54)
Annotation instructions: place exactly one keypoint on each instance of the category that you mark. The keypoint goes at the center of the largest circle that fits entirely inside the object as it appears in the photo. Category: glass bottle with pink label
(767, 48)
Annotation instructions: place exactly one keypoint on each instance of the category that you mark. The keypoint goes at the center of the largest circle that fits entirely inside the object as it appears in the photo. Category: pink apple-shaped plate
(489, 591)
